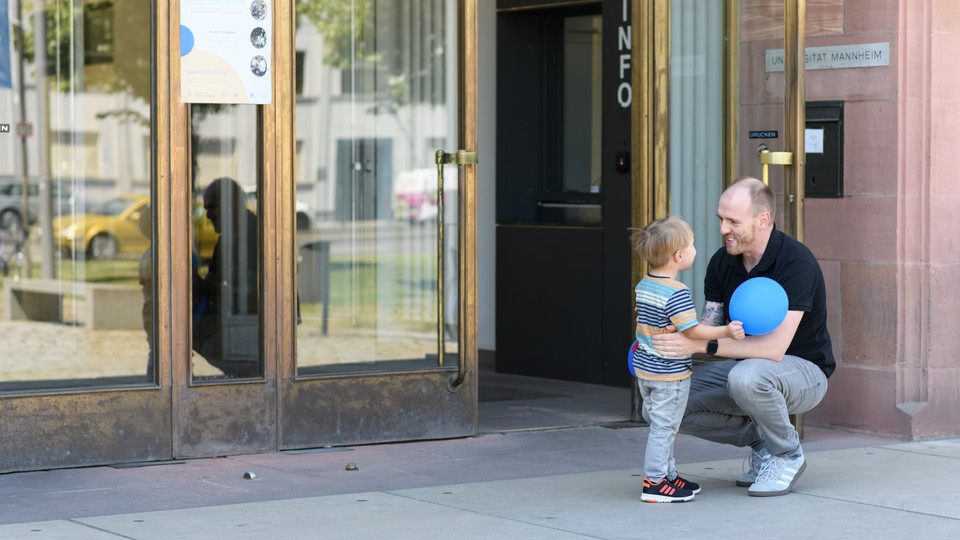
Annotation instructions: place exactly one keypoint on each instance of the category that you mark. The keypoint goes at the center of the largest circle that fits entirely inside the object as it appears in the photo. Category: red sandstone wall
(890, 248)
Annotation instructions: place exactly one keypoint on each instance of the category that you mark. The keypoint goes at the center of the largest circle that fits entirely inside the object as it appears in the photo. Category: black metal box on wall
(824, 149)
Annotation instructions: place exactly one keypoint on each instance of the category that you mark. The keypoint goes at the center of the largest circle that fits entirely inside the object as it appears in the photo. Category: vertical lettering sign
(225, 51)
(5, 80)
(624, 33)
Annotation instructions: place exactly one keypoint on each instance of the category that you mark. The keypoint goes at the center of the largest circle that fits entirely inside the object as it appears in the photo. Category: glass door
(737, 103)
(771, 108)
(736, 88)
(384, 215)
(187, 280)
(325, 299)
(79, 379)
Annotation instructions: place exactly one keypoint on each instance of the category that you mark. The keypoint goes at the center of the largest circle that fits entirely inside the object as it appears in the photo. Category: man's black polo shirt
(792, 265)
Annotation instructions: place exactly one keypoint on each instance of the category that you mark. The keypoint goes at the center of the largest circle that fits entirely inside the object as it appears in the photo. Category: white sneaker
(777, 476)
(757, 459)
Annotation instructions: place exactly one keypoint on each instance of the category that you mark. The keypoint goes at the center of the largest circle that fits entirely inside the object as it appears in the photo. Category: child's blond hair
(660, 239)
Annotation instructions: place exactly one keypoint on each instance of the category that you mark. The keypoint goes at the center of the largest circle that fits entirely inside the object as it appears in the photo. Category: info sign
(225, 51)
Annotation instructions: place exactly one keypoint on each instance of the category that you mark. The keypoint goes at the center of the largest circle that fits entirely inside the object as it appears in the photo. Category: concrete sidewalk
(581, 482)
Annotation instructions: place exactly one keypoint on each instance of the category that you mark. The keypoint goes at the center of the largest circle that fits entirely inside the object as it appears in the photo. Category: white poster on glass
(225, 51)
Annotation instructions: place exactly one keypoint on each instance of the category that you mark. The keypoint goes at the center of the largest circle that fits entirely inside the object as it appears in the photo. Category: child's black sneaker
(664, 491)
(683, 483)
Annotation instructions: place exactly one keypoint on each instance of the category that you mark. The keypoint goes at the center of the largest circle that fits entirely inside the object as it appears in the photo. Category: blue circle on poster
(186, 40)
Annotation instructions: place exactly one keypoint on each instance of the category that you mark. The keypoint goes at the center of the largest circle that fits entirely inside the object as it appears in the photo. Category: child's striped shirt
(660, 302)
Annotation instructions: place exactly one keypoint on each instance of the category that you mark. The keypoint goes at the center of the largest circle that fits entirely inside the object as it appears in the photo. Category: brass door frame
(731, 90)
(650, 111)
(794, 113)
(650, 119)
(229, 416)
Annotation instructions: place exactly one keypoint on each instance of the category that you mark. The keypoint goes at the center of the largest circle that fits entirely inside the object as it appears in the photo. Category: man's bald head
(760, 195)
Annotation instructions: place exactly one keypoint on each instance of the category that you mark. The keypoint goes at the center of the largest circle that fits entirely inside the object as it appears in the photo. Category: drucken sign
(836, 57)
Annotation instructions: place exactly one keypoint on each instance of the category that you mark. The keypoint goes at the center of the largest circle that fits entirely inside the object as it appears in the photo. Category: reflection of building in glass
(258, 65)
(99, 151)
(258, 37)
(362, 105)
(258, 9)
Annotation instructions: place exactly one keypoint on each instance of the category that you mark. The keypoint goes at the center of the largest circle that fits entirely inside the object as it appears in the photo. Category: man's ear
(764, 219)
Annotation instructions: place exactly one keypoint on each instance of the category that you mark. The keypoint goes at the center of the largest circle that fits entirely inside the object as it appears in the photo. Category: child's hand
(735, 330)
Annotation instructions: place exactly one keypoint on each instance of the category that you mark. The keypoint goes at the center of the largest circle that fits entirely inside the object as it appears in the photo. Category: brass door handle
(460, 157)
(772, 158)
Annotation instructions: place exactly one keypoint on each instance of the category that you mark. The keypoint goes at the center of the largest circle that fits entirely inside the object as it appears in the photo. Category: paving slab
(850, 493)
(606, 505)
(357, 516)
(55, 530)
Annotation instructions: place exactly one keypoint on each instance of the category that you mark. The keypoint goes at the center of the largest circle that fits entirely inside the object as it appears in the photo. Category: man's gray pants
(748, 402)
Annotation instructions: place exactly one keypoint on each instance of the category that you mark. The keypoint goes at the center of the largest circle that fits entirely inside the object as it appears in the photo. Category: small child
(667, 246)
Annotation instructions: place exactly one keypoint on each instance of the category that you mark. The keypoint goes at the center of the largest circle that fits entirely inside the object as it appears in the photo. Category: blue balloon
(630, 357)
(760, 304)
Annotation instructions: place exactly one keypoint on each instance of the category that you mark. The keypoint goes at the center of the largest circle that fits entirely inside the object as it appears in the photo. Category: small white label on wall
(858, 55)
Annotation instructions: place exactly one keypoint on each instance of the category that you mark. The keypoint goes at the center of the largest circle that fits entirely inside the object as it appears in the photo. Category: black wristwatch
(712, 346)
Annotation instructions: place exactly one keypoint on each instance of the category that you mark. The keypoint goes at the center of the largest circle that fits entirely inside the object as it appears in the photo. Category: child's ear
(678, 256)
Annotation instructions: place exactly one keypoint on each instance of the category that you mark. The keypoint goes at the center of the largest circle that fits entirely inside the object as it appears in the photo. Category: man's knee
(746, 380)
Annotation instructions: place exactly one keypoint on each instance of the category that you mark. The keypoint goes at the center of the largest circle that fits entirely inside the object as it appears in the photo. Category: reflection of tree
(199, 112)
(402, 44)
(95, 46)
(342, 25)
(99, 45)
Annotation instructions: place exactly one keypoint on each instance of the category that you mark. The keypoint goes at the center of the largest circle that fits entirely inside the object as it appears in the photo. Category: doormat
(502, 393)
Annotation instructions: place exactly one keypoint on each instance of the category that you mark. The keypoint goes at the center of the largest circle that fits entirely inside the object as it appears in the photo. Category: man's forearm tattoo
(713, 314)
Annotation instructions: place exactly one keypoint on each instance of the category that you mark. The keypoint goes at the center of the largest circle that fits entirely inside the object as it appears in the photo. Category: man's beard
(740, 244)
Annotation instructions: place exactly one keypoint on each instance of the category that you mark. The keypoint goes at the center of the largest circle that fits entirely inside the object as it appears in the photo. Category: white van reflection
(415, 194)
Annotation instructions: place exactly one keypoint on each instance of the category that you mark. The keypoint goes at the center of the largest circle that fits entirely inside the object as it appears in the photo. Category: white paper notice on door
(225, 51)
(813, 141)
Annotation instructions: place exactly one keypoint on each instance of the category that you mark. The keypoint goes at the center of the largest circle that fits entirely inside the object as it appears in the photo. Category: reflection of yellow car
(113, 230)
(110, 230)
(203, 233)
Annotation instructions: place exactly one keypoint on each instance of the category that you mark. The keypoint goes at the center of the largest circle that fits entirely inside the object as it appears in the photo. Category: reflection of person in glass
(258, 9)
(258, 37)
(258, 65)
(145, 274)
(227, 295)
